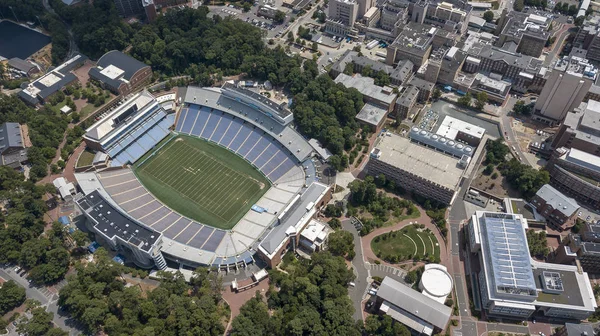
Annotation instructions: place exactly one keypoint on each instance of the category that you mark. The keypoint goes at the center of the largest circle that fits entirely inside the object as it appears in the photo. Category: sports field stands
(239, 136)
(130, 130)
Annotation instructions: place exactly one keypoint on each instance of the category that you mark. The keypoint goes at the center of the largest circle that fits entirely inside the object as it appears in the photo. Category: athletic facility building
(514, 285)
(232, 182)
(119, 73)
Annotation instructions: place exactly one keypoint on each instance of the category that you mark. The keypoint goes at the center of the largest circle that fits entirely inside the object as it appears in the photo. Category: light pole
(40, 21)
(13, 11)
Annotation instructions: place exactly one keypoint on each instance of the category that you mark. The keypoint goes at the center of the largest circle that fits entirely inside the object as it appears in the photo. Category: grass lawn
(87, 109)
(406, 244)
(85, 159)
(202, 181)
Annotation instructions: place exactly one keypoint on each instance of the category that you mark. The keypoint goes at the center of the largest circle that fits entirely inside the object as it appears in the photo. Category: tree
(334, 223)
(311, 300)
(341, 243)
(437, 94)
(279, 16)
(11, 296)
(39, 324)
(315, 46)
(538, 245)
(518, 5)
(465, 100)
(290, 36)
(579, 21)
(488, 16)
(481, 100)
(411, 277)
(521, 108)
(349, 69)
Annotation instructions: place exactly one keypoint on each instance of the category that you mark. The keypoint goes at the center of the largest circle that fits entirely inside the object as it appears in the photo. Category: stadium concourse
(117, 205)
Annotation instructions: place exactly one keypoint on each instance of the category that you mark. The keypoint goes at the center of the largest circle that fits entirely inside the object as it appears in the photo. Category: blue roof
(508, 253)
(119, 258)
(93, 247)
(64, 220)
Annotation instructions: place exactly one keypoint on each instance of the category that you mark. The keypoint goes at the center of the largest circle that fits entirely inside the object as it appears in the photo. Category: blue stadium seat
(268, 167)
(266, 155)
(211, 124)
(252, 139)
(241, 136)
(189, 121)
(236, 124)
(221, 128)
(201, 121)
(281, 170)
(158, 133)
(147, 142)
(182, 115)
(135, 151)
(260, 146)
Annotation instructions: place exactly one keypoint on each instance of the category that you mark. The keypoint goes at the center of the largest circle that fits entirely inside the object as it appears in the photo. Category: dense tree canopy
(11, 296)
(46, 129)
(311, 301)
(99, 299)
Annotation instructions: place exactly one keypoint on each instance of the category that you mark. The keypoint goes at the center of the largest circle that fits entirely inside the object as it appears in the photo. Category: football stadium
(220, 181)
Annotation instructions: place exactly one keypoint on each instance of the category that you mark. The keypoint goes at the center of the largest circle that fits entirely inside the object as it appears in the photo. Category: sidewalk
(369, 255)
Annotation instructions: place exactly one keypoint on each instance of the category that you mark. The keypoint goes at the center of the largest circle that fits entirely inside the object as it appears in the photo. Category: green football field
(202, 181)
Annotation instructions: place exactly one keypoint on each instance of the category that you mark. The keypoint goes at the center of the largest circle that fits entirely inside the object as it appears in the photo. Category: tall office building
(343, 11)
(565, 89)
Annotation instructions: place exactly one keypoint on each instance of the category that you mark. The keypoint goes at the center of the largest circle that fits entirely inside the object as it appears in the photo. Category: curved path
(414, 243)
(369, 255)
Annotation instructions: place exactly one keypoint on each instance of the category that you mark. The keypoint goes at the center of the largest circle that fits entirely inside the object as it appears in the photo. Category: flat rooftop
(419, 160)
(366, 86)
(112, 223)
(372, 114)
(451, 126)
(108, 123)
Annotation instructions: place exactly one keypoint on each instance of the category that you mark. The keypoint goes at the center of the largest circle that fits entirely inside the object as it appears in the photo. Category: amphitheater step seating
(239, 136)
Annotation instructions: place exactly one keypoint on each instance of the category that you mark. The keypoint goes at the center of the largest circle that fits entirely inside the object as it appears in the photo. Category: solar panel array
(508, 254)
(239, 136)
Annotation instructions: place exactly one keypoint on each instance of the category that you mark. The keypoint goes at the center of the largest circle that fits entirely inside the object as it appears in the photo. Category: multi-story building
(405, 102)
(559, 210)
(13, 151)
(414, 44)
(341, 16)
(43, 88)
(447, 16)
(425, 88)
(528, 32)
(514, 285)
(565, 88)
(588, 37)
(581, 129)
(394, 14)
(119, 73)
(583, 247)
(380, 95)
(462, 131)
(398, 76)
(525, 73)
(418, 166)
(577, 174)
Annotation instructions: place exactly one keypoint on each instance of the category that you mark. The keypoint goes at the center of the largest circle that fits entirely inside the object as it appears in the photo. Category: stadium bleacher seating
(135, 143)
(239, 136)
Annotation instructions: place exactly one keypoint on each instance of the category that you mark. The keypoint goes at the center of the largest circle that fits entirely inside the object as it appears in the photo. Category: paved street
(358, 292)
(46, 297)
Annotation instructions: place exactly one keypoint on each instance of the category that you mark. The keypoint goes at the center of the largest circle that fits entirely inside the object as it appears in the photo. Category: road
(72, 45)
(357, 293)
(45, 297)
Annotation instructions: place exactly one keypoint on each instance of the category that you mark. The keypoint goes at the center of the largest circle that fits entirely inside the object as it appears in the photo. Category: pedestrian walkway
(370, 256)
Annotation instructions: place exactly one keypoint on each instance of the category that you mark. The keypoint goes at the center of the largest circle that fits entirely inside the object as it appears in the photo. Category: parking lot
(270, 28)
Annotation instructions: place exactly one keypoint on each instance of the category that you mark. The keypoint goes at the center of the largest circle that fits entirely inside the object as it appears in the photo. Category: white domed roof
(436, 282)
